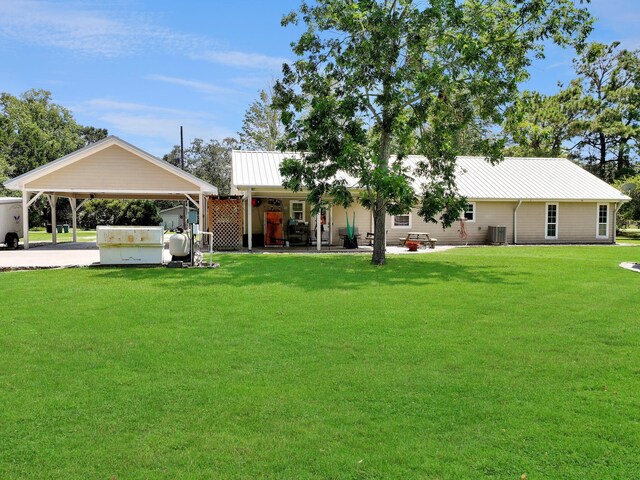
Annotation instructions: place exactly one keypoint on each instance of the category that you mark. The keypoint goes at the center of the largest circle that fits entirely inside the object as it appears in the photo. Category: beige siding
(487, 214)
(113, 168)
(362, 221)
(576, 223)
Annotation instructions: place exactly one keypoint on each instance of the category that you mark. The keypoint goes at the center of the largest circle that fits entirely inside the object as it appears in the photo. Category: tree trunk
(380, 208)
(380, 239)
(622, 161)
(603, 156)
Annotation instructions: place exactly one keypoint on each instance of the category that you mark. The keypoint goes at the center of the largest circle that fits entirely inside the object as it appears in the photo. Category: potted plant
(412, 246)
(350, 239)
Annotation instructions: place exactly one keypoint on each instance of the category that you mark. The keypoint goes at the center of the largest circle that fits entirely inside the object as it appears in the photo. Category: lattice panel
(225, 218)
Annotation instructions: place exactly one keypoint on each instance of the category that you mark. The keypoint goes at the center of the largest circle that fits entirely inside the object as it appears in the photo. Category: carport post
(318, 231)
(25, 218)
(54, 227)
(74, 218)
(249, 222)
(201, 218)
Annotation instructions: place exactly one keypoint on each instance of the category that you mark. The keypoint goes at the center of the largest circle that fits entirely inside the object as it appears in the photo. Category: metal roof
(262, 169)
(512, 179)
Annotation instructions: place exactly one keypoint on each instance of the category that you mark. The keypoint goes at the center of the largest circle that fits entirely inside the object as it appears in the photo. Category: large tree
(542, 125)
(261, 127)
(609, 128)
(371, 73)
(210, 161)
(34, 131)
(629, 211)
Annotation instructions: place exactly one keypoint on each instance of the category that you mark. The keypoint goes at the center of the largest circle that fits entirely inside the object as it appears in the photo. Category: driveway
(61, 255)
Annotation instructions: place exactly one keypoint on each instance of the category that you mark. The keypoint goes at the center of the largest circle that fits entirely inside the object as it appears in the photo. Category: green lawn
(471, 363)
(40, 235)
(629, 236)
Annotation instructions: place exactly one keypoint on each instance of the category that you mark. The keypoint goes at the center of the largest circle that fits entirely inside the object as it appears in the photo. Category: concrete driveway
(61, 255)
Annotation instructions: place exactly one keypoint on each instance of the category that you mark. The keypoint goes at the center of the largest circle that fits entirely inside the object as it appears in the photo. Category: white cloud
(193, 84)
(59, 26)
(104, 33)
(254, 82)
(160, 124)
(102, 104)
(242, 59)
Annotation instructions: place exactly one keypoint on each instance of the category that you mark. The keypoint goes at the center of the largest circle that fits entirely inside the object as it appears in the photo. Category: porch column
(54, 228)
(249, 222)
(201, 219)
(74, 218)
(318, 232)
(25, 218)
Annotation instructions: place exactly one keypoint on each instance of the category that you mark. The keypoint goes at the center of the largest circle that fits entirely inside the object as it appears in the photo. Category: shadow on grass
(316, 272)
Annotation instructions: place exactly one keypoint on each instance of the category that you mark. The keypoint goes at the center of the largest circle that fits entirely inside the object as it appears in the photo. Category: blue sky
(142, 68)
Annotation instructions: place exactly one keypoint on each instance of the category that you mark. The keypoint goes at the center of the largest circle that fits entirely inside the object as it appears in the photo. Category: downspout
(515, 222)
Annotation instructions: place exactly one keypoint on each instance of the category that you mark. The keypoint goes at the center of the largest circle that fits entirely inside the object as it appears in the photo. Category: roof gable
(110, 165)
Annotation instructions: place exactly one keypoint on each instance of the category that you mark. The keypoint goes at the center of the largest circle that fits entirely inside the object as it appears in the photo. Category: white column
(249, 222)
(318, 231)
(54, 227)
(25, 219)
(201, 218)
(74, 218)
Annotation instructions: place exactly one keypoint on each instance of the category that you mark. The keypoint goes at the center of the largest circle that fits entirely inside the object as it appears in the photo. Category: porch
(276, 219)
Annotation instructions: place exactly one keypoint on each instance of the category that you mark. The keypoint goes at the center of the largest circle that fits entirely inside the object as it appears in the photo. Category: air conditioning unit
(498, 234)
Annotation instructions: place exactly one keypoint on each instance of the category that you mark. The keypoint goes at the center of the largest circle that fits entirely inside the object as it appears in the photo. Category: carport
(110, 168)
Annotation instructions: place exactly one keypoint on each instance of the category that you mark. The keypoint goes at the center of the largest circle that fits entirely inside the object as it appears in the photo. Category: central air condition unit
(498, 234)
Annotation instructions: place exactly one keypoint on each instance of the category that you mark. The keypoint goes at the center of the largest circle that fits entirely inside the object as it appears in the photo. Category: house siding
(577, 223)
(486, 214)
(113, 168)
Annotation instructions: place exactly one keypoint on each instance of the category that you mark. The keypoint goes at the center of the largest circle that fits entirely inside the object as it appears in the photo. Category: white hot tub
(130, 245)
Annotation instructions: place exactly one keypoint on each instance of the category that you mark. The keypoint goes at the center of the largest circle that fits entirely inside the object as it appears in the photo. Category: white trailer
(10, 221)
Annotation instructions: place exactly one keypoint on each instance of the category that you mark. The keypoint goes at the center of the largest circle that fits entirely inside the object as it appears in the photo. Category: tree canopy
(119, 212)
(210, 161)
(35, 131)
(373, 75)
(594, 120)
(261, 127)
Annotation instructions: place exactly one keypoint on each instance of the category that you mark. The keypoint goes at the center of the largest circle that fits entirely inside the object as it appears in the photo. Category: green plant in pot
(350, 239)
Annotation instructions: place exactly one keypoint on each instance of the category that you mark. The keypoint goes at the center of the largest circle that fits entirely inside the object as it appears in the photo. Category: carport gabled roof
(111, 168)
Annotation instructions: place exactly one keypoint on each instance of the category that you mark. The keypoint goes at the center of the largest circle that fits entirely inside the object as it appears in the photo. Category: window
(603, 221)
(402, 221)
(552, 221)
(470, 212)
(297, 210)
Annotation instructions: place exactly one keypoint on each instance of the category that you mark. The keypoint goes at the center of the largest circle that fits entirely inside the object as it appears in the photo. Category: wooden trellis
(225, 218)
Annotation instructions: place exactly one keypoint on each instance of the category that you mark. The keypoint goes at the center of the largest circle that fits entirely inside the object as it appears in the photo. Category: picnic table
(424, 239)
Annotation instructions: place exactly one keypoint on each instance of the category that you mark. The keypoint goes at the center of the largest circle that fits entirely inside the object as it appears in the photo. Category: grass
(40, 235)
(471, 363)
(629, 236)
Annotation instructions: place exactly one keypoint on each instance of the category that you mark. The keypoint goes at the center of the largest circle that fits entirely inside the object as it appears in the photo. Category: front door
(273, 229)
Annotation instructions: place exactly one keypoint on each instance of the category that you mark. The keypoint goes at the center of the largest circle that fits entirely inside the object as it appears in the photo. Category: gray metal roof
(511, 179)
